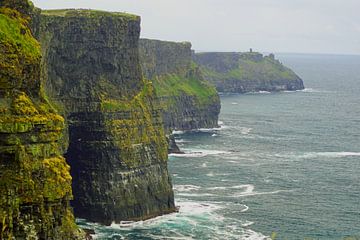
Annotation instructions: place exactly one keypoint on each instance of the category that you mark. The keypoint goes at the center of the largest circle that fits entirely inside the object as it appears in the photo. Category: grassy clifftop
(87, 13)
(247, 72)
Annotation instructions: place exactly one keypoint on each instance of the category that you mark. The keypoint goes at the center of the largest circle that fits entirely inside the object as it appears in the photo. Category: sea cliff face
(35, 181)
(117, 146)
(187, 99)
(247, 72)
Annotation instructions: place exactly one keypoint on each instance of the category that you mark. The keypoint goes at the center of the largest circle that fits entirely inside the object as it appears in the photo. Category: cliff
(187, 100)
(35, 181)
(247, 72)
(117, 146)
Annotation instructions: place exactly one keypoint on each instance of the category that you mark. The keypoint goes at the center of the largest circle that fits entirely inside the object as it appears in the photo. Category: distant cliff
(117, 146)
(187, 99)
(35, 181)
(247, 72)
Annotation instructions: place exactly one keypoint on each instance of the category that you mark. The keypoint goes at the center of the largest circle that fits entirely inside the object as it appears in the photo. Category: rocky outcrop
(117, 146)
(247, 72)
(35, 181)
(187, 100)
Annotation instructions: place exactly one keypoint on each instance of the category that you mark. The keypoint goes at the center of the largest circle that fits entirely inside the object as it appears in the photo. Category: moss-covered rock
(35, 181)
(187, 100)
(247, 72)
(117, 147)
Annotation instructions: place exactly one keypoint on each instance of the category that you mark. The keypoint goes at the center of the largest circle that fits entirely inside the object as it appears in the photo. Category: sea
(280, 166)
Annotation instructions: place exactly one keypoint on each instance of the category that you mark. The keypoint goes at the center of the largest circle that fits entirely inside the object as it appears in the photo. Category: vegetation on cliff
(247, 72)
(117, 147)
(35, 181)
(187, 100)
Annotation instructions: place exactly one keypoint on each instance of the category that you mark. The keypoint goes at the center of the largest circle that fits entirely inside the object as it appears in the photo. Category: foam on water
(177, 132)
(330, 154)
(197, 153)
(186, 188)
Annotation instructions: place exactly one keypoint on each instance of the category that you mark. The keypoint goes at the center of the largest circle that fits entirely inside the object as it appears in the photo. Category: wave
(198, 153)
(249, 187)
(192, 215)
(330, 154)
(247, 224)
(246, 208)
(248, 190)
(311, 90)
(196, 194)
(181, 141)
(177, 132)
(186, 188)
(245, 130)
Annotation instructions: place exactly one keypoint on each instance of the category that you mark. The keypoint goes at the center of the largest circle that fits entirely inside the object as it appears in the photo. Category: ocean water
(282, 165)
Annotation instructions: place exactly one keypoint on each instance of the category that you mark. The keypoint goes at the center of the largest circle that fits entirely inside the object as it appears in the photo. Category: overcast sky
(300, 26)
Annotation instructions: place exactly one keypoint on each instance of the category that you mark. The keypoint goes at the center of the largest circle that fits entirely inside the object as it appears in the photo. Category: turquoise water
(284, 164)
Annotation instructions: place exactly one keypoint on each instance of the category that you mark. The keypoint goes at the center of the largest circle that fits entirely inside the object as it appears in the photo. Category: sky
(293, 26)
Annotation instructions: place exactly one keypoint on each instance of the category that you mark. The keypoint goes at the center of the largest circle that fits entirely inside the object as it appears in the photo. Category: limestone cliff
(247, 72)
(117, 147)
(35, 181)
(187, 100)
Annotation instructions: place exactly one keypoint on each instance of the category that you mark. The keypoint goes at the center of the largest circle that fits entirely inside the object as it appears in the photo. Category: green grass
(176, 85)
(14, 31)
(87, 13)
(265, 69)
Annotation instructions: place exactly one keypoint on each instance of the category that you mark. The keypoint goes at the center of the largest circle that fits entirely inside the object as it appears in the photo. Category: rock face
(35, 181)
(247, 72)
(187, 100)
(117, 146)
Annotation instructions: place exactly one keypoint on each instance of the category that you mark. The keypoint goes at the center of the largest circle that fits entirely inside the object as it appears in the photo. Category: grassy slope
(266, 69)
(176, 85)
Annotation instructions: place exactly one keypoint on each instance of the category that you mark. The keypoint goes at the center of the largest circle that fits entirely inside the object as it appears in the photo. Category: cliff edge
(35, 181)
(117, 146)
(188, 101)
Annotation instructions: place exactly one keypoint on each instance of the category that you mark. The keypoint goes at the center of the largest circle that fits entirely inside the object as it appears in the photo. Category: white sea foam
(247, 224)
(192, 153)
(248, 187)
(247, 190)
(220, 123)
(245, 130)
(246, 208)
(214, 135)
(330, 154)
(177, 132)
(204, 165)
(186, 188)
(195, 194)
(191, 215)
(181, 141)
(234, 103)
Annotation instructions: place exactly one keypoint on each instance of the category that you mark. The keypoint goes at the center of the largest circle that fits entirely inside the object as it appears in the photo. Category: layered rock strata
(117, 146)
(35, 181)
(187, 99)
(247, 72)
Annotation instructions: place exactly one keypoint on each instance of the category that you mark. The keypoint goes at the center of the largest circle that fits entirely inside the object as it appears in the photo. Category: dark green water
(283, 163)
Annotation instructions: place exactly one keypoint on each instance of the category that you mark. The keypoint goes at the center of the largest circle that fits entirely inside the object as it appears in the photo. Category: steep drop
(117, 146)
(35, 181)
